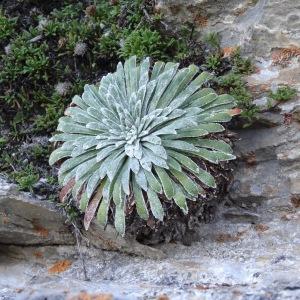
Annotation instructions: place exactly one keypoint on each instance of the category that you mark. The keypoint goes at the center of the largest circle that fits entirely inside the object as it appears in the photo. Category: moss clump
(26, 178)
(75, 42)
(283, 93)
(241, 65)
(7, 26)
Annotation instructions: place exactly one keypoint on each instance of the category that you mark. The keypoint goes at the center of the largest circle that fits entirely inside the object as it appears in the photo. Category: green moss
(213, 40)
(144, 42)
(284, 93)
(234, 84)
(241, 65)
(213, 61)
(26, 178)
(7, 26)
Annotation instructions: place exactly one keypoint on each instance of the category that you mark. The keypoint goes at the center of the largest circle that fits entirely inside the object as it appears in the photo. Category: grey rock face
(258, 25)
(28, 221)
(251, 251)
(25, 220)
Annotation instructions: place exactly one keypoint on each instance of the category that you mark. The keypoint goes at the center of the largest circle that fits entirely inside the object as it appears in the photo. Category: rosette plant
(137, 136)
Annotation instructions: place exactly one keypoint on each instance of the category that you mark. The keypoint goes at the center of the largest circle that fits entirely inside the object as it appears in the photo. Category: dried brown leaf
(66, 190)
(235, 111)
(91, 208)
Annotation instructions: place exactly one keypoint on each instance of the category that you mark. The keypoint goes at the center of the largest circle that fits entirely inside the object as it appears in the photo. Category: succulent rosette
(138, 134)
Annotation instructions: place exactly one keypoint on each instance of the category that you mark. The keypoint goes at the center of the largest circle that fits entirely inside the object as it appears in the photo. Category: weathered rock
(25, 220)
(109, 239)
(251, 250)
(260, 26)
(28, 221)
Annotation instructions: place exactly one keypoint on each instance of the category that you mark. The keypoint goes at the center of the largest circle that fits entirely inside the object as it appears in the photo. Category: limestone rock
(109, 239)
(250, 251)
(26, 220)
(260, 26)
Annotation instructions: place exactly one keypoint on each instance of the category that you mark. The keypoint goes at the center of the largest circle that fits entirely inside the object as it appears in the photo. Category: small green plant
(283, 93)
(26, 178)
(144, 42)
(68, 12)
(3, 142)
(241, 65)
(70, 210)
(249, 114)
(140, 135)
(213, 61)
(51, 180)
(234, 84)
(109, 44)
(7, 26)
(47, 121)
(212, 39)
(25, 59)
(39, 152)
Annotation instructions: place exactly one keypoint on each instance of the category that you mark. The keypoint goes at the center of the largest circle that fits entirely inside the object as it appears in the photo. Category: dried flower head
(7, 49)
(91, 10)
(62, 88)
(80, 49)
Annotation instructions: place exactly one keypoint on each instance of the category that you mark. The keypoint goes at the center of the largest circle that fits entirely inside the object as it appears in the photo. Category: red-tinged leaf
(65, 191)
(92, 207)
(234, 111)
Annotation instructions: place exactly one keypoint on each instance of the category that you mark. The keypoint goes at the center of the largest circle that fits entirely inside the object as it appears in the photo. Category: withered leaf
(65, 191)
(234, 112)
(92, 207)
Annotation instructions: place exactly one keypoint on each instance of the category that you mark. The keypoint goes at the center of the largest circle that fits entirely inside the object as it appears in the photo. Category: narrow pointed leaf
(155, 205)
(153, 182)
(92, 207)
(140, 202)
(120, 220)
(189, 185)
(166, 182)
(180, 200)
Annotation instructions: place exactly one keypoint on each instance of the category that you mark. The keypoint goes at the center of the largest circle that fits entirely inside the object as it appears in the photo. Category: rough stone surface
(28, 221)
(251, 251)
(25, 220)
(258, 25)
